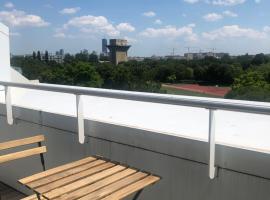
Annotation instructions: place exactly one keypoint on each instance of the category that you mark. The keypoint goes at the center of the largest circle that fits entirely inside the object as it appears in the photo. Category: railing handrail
(210, 104)
(207, 103)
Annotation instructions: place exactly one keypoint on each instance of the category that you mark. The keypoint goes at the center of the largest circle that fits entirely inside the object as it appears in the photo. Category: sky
(152, 27)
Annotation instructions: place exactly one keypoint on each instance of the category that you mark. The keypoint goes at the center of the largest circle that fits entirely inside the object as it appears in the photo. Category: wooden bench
(4, 146)
(24, 153)
(89, 178)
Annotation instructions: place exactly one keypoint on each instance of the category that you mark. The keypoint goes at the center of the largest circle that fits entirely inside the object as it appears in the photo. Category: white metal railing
(211, 104)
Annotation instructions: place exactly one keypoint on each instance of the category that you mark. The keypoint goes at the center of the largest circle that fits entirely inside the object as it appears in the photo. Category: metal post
(42, 158)
(137, 194)
(8, 105)
(80, 118)
(212, 144)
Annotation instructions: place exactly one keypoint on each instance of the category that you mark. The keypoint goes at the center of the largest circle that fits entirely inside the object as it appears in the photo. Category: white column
(8, 105)
(80, 118)
(212, 144)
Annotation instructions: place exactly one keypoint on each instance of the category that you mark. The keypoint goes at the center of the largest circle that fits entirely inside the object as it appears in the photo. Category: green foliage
(31, 68)
(251, 85)
(250, 93)
(46, 56)
(248, 75)
(81, 74)
(38, 55)
(250, 79)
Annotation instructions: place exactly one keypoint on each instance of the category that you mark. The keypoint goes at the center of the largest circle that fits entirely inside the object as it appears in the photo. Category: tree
(34, 55)
(259, 59)
(82, 56)
(69, 59)
(250, 86)
(46, 57)
(38, 55)
(93, 58)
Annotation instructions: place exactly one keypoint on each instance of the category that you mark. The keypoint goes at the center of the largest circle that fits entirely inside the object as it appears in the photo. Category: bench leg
(137, 194)
(42, 158)
(38, 196)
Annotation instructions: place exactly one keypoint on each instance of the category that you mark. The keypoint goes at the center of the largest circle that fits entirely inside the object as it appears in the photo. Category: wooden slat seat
(25, 153)
(90, 178)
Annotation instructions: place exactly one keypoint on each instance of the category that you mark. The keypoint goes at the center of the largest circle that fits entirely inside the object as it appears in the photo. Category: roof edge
(4, 29)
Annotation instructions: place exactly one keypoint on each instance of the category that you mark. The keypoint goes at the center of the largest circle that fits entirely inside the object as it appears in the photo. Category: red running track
(211, 90)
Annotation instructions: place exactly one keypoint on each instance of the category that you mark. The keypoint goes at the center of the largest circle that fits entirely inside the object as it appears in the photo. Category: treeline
(244, 73)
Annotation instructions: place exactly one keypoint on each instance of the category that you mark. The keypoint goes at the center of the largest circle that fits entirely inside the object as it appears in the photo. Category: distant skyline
(152, 27)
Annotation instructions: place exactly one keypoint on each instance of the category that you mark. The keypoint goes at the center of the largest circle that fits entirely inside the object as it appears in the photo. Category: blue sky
(152, 27)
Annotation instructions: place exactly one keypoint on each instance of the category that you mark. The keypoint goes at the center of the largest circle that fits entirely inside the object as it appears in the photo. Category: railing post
(80, 118)
(212, 144)
(8, 105)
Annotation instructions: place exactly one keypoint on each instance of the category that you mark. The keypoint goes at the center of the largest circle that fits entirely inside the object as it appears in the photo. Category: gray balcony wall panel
(180, 162)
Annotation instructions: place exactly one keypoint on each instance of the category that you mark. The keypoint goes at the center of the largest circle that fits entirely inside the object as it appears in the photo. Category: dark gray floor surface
(8, 193)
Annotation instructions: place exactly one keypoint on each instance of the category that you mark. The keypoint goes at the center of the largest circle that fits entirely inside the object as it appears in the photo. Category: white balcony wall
(4, 53)
(182, 163)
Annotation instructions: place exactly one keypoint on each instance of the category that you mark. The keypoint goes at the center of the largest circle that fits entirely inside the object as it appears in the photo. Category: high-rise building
(61, 52)
(118, 50)
(104, 47)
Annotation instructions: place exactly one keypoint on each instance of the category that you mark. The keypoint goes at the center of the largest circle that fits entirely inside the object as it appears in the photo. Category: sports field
(196, 90)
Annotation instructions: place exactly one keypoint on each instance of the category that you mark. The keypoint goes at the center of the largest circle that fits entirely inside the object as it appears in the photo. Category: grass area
(187, 93)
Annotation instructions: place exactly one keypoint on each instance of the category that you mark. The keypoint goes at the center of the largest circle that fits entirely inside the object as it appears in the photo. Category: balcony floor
(8, 193)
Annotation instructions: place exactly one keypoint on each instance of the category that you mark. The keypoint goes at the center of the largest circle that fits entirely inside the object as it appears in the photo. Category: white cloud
(158, 21)
(192, 25)
(230, 14)
(130, 40)
(59, 35)
(228, 2)
(171, 32)
(234, 31)
(211, 17)
(191, 1)
(93, 24)
(257, 1)
(149, 14)
(266, 29)
(89, 24)
(20, 18)
(69, 11)
(220, 2)
(125, 27)
(9, 5)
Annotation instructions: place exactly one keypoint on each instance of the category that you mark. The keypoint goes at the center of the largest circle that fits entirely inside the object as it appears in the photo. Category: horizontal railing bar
(147, 97)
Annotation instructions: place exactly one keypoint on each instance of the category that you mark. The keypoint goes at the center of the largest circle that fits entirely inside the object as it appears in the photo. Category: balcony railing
(211, 104)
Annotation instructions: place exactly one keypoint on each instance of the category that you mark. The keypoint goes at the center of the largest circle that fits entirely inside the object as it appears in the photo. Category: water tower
(118, 51)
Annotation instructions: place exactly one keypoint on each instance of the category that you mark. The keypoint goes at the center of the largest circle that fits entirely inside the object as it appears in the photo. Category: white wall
(182, 164)
(4, 53)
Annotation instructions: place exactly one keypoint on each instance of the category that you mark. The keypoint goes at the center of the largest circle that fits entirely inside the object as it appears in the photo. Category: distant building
(104, 47)
(57, 57)
(136, 58)
(60, 52)
(52, 57)
(118, 51)
(202, 55)
(154, 57)
(175, 57)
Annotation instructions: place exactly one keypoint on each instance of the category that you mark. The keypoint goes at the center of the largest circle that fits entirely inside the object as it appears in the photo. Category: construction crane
(212, 49)
(189, 48)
